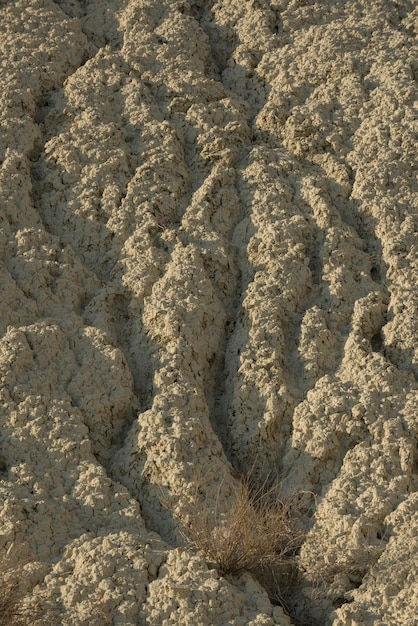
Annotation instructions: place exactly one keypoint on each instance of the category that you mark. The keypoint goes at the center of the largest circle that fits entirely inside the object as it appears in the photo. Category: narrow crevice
(219, 391)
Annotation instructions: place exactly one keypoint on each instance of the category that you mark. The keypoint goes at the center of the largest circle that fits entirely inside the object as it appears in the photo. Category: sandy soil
(208, 246)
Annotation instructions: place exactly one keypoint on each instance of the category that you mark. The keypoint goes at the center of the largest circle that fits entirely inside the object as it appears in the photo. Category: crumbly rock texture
(208, 247)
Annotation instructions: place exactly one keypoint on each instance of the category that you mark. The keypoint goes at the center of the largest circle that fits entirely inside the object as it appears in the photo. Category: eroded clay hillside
(208, 266)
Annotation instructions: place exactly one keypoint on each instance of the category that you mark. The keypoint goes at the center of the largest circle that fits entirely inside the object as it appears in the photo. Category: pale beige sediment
(208, 246)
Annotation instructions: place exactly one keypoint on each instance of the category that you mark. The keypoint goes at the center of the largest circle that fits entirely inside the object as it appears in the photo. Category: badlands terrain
(208, 236)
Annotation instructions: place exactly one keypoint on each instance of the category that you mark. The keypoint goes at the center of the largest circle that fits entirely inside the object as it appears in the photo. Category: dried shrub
(257, 533)
(10, 595)
(14, 611)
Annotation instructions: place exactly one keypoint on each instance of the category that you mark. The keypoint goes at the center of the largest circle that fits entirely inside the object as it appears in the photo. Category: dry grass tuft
(10, 596)
(13, 610)
(257, 533)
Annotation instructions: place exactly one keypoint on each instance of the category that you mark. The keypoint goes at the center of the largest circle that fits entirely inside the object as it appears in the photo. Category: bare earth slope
(208, 245)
